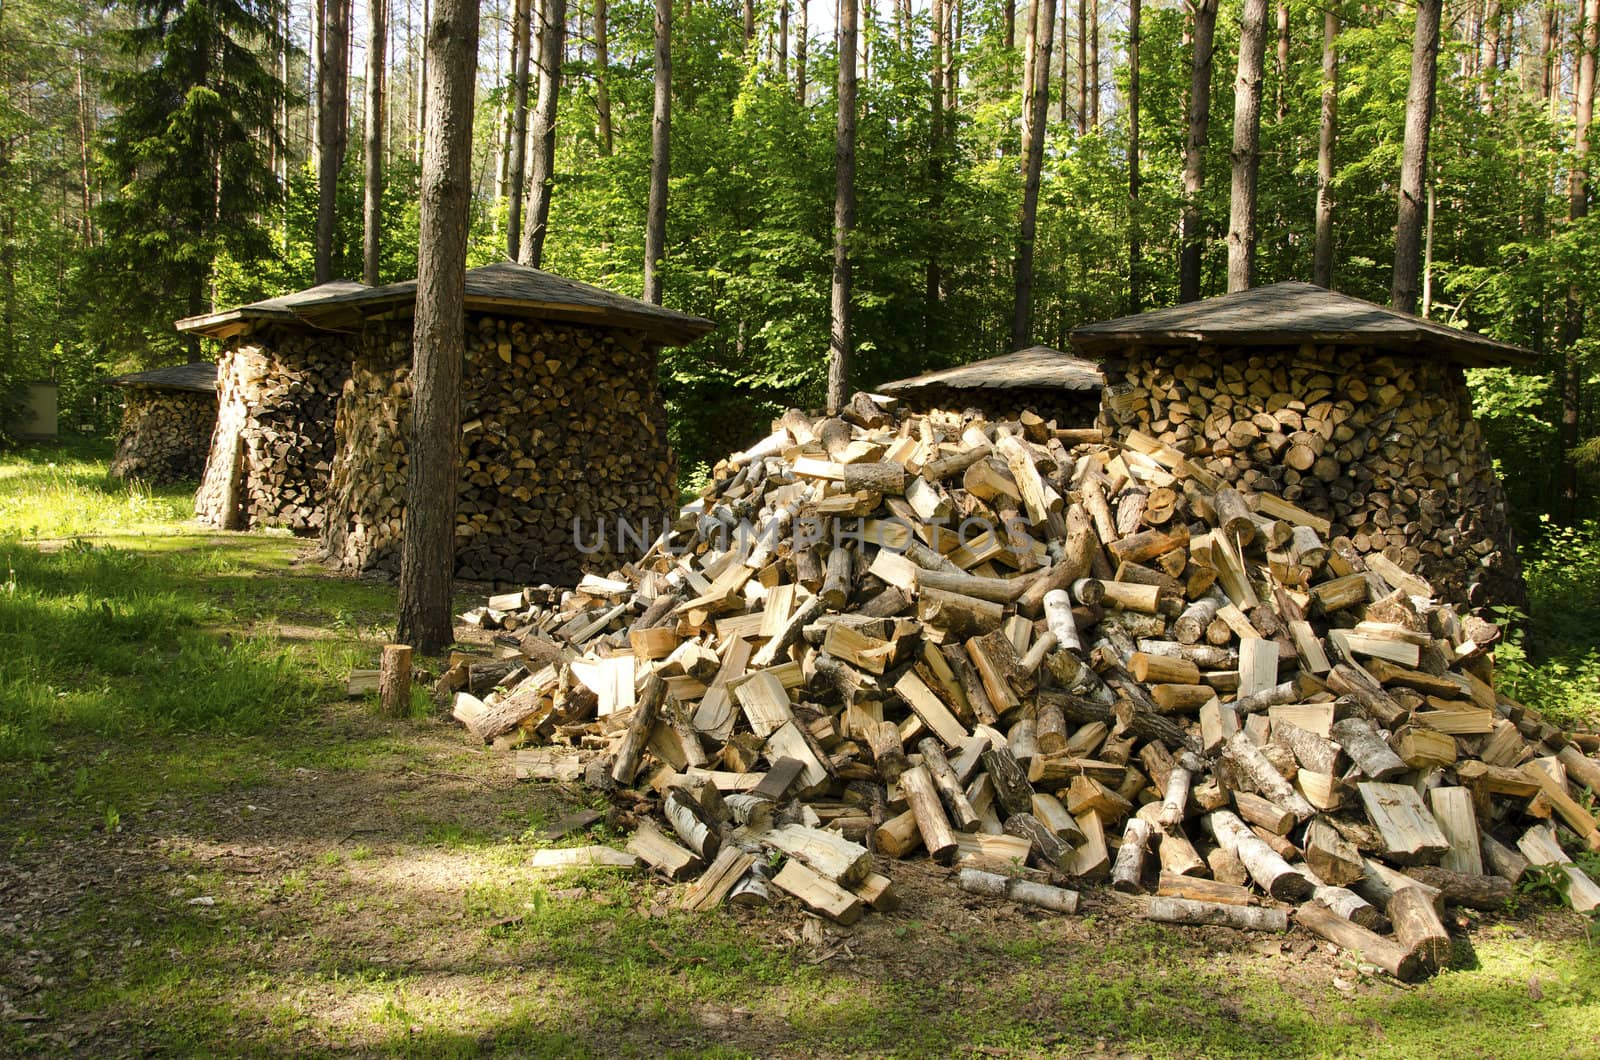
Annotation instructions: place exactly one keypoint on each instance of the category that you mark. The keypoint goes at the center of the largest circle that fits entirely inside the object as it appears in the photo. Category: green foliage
(1545, 882)
(187, 153)
(1551, 659)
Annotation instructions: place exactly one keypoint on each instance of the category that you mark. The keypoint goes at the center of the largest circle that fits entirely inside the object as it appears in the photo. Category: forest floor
(208, 849)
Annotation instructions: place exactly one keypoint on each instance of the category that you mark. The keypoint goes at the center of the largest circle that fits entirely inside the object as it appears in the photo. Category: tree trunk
(783, 41)
(749, 22)
(541, 179)
(1282, 69)
(1547, 51)
(800, 53)
(1327, 135)
(844, 212)
(1414, 158)
(1246, 145)
(602, 79)
(1489, 63)
(1083, 66)
(1042, 34)
(655, 225)
(1009, 14)
(521, 47)
(1063, 98)
(372, 204)
(933, 278)
(1191, 238)
(1135, 290)
(427, 553)
(1577, 208)
(422, 85)
(333, 90)
(1094, 64)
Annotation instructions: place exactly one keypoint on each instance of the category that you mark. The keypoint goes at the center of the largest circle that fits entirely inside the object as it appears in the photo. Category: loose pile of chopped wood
(1040, 659)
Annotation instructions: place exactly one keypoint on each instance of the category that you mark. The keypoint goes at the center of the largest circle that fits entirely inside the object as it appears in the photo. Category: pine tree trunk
(1083, 66)
(1135, 288)
(844, 212)
(933, 278)
(517, 167)
(1547, 51)
(1063, 97)
(783, 41)
(1414, 158)
(602, 78)
(1327, 136)
(1246, 144)
(541, 178)
(1281, 111)
(1577, 209)
(800, 52)
(1041, 33)
(1489, 65)
(333, 89)
(1191, 237)
(655, 227)
(422, 85)
(1094, 64)
(372, 204)
(427, 554)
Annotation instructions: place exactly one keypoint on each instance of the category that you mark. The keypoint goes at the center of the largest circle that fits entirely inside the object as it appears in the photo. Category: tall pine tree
(187, 163)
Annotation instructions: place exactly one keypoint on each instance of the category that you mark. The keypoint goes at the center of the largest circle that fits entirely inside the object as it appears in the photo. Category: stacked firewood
(275, 443)
(563, 436)
(1043, 661)
(165, 435)
(1384, 447)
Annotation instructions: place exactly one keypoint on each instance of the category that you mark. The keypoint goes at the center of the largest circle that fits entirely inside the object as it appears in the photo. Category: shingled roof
(1294, 312)
(199, 376)
(504, 287)
(1036, 366)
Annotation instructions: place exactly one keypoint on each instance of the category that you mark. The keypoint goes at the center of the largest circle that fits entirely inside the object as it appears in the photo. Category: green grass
(117, 617)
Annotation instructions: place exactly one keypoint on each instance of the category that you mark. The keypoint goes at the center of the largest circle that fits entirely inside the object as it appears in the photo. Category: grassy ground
(207, 849)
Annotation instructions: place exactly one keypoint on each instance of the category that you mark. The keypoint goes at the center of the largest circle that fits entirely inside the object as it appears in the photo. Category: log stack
(968, 641)
(564, 450)
(1382, 446)
(165, 435)
(274, 444)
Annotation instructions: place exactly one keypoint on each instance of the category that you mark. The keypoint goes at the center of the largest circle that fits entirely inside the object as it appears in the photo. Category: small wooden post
(394, 681)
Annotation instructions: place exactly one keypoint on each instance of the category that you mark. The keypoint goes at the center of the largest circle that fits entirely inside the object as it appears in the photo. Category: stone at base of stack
(1383, 445)
(274, 441)
(165, 435)
(564, 450)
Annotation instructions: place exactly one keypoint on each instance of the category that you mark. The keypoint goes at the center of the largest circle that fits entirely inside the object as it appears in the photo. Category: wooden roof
(1037, 366)
(1290, 313)
(505, 287)
(197, 376)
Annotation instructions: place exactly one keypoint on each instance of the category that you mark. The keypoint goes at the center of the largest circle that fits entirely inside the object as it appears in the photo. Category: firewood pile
(1043, 661)
(561, 424)
(274, 445)
(164, 435)
(1383, 446)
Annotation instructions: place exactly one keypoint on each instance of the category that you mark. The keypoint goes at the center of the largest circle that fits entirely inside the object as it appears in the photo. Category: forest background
(160, 157)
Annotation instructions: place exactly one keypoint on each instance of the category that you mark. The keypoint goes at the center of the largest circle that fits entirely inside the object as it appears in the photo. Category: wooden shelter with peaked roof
(1053, 384)
(563, 434)
(168, 415)
(1352, 411)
